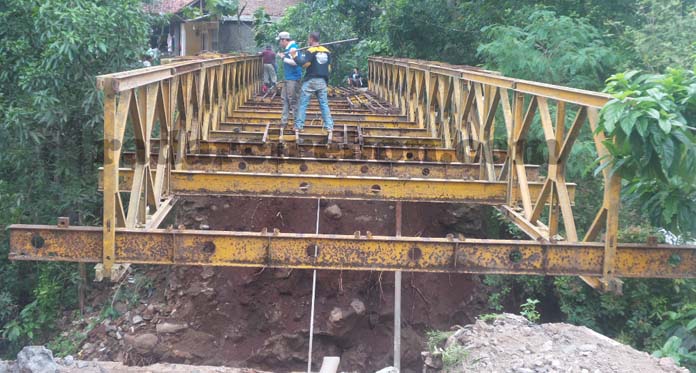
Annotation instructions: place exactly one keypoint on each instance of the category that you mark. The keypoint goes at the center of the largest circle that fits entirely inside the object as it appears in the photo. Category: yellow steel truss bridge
(424, 132)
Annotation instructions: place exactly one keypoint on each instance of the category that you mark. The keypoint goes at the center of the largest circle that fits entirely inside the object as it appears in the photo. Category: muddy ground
(255, 317)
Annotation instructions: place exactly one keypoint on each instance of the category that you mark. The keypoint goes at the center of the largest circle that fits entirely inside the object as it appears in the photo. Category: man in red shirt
(269, 72)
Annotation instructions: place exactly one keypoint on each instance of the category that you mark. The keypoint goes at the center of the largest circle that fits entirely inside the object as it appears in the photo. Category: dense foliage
(50, 135)
(653, 146)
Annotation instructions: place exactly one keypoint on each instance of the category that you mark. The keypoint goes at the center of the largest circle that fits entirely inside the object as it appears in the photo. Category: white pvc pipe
(314, 293)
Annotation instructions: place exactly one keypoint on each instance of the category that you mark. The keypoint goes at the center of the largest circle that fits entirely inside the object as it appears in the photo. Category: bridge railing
(460, 105)
(177, 104)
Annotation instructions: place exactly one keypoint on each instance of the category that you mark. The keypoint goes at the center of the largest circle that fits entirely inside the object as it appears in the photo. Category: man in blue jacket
(317, 62)
(293, 74)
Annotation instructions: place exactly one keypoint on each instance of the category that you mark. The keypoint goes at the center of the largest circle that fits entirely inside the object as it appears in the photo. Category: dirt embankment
(254, 317)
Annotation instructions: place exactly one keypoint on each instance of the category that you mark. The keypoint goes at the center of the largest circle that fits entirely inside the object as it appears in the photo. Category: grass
(453, 355)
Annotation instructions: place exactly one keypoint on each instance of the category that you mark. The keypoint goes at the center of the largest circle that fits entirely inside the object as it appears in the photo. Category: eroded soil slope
(257, 317)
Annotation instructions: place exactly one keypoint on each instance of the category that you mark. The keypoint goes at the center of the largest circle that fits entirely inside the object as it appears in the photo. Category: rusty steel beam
(316, 119)
(319, 136)
(337, 187)
(231, 128)
(341, 252)
(323, 166)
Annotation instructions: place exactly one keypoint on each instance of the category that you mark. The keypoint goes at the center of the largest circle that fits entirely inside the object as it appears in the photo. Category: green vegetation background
(642, 51)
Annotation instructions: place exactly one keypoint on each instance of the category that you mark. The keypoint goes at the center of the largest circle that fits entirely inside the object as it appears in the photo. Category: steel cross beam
(341, 252)
(336, 187)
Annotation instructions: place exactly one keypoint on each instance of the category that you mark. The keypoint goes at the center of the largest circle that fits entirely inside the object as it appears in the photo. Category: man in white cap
(293, 75)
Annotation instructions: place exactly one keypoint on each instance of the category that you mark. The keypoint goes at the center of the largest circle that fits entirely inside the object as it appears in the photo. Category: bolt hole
(364, 169)
(303, 167)
(310, 250)
(375, 189)
(415, 254)
(409, 155)
(37, 241)
(304, 186)
(209, 247)
(674, 260)
(247, 151)
(242, 165)
(426, 171)
(515, 256)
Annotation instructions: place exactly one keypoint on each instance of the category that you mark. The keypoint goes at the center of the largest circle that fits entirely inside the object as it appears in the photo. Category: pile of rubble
(511, 344)
(38, 359)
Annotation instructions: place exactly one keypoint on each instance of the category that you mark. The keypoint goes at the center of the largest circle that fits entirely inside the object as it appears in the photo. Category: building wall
(236, 37)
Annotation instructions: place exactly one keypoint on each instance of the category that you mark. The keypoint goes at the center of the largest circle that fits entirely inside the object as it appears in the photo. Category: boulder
(36, 359)
(170, 327)
(6, 367)
(143, 343)
(333, 211)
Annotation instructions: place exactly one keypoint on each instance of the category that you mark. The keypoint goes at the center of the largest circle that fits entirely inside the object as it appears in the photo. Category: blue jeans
(318, 87)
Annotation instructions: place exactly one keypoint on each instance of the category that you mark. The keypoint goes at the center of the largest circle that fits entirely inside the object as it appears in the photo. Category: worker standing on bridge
(293, 75)
(269, 71)
(316, 60)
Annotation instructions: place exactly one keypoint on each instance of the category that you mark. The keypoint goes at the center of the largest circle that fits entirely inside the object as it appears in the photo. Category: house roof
(274, 8)
(167, 6)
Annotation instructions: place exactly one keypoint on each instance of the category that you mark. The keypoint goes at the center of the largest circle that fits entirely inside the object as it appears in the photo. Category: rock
(6, 367)
(358, 306)
(667, 362)
(120, 307)
(336, 315)
(69, 360)
(204, 227)
(388, 370)
(170, 327)
(547, 346)
(432, 360)
(142, 343)
(137, 319)
(333, 211)
(588, 347)
(207, 273)
(36, 359)
(82, 364)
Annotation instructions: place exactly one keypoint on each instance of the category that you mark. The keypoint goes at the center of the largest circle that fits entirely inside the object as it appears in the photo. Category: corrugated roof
(274, 8)
(167, 6)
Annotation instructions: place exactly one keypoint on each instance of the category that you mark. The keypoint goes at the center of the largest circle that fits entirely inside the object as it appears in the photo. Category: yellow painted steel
(425, 132)
(317, 120)
(228, 130)
(364, 118)
(344, 167)
(338, 187)
(186, 247)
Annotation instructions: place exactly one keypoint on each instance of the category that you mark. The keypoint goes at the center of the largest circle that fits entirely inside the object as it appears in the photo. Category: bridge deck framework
(423, 132)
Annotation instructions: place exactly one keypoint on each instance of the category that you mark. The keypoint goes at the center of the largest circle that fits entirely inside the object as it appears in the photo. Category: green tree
(665, 38)
(50, 128)
(550, 48)
(653, 146)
